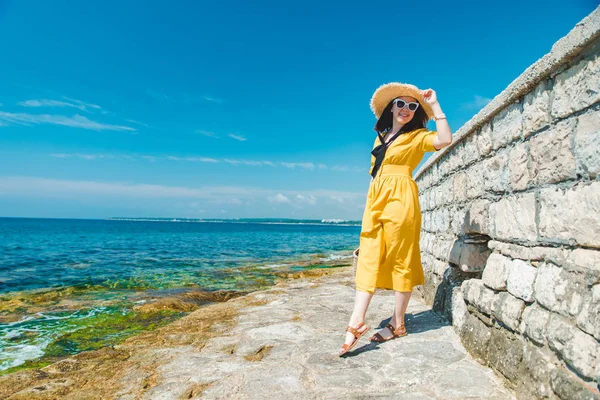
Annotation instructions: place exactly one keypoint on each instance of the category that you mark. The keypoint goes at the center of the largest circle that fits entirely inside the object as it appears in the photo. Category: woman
(389, 254)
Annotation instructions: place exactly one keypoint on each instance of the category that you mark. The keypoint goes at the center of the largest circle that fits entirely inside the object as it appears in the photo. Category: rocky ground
(277, 343)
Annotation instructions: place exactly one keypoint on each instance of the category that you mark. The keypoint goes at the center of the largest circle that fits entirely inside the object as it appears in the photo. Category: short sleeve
(426, 141)
(375, 144)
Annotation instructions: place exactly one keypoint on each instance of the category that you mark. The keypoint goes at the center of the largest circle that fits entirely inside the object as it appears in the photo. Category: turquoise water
(61, 276)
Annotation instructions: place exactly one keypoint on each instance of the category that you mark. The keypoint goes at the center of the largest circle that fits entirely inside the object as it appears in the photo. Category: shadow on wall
(467, 258)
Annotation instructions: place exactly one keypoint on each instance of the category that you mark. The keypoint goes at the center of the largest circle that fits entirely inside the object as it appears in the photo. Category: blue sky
(234, 109)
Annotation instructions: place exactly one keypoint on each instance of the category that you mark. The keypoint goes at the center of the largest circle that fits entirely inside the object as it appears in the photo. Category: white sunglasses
(401, 104)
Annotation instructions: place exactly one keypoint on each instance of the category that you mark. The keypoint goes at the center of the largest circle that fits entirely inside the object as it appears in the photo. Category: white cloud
(340, 168)
(47, 103)
(162, 200)
(477, 103)
(192, 159)
(232, 200)
(87, 156)
(88, 105)
(213, 99)
(76, 121)
(346, 168)
(58, 103)
(237, 137)
(32, 185)
(254, 163)
(137, 123)
(183, 97)
(17, 185)
(207, 133)
(135, 157)
(310, 199)
(279, 198)
(307, 165)
(249, 162)
(82, 156)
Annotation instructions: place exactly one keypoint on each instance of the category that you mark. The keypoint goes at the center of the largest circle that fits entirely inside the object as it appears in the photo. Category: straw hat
(388, 92)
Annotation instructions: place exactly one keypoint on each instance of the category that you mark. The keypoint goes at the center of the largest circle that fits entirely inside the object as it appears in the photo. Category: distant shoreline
(243, 221)
(267, 221)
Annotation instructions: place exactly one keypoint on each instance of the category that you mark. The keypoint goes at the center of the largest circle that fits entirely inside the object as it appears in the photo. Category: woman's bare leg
(402, 299)
(361, 304)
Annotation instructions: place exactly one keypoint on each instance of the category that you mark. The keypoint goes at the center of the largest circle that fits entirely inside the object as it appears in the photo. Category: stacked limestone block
(511, 225)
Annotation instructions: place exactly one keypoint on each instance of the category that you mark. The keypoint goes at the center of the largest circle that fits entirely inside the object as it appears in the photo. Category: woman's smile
(404, 115)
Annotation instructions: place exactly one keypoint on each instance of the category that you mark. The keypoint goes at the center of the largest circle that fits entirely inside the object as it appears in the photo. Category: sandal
(347, 347)
(398, 332)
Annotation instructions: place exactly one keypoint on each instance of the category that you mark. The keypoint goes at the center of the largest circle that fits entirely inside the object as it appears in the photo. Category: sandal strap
(377, 338)
(354, 331)
(401, 328)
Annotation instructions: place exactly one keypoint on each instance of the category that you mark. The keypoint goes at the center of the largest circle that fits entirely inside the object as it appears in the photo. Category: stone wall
(510, 235)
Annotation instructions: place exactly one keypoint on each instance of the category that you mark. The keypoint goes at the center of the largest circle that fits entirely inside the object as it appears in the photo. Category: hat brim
(388, 92)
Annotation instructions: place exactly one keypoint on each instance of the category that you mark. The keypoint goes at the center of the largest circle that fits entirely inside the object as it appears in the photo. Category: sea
(70, 285)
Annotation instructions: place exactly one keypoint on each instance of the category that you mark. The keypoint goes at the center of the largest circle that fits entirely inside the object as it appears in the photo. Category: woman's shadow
(419, 322)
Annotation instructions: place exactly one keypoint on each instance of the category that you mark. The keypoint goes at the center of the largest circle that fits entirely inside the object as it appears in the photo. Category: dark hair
(384, 123)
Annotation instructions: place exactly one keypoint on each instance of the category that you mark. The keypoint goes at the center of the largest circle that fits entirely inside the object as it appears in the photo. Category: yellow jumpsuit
(389, 256)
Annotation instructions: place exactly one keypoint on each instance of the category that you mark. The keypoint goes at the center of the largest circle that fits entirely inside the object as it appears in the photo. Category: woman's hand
(444, 134)
(429, 96)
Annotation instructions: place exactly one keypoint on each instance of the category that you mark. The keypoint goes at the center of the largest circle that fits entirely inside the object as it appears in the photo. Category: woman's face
(403, 116)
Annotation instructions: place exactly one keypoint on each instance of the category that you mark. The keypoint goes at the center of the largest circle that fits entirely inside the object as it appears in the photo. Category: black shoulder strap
(379, 152)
